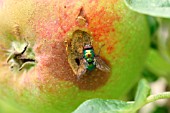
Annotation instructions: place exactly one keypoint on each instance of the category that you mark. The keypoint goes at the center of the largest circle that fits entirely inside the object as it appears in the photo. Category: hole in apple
(77, 61)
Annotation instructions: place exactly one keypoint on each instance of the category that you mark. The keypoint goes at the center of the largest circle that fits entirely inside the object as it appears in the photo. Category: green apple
(47, 82)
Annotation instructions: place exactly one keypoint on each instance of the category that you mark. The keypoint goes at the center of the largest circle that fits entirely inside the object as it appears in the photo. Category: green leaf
(105, 106)
(143, 92)
(158, 8)
(116, 106)
(157, 64)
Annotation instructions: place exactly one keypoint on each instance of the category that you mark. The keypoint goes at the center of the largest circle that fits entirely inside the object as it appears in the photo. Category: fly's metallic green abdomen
(89, 55)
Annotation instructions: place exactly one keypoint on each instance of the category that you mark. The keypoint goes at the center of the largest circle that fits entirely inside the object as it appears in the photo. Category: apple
(37, 69)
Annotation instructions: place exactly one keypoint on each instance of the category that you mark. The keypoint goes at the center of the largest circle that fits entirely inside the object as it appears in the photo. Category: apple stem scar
(18, 55)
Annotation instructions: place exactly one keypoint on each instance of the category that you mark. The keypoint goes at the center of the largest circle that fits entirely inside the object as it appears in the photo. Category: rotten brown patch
(59, 64)
(74, 48)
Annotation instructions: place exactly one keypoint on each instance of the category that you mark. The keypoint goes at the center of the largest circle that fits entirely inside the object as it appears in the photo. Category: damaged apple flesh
(51, 85)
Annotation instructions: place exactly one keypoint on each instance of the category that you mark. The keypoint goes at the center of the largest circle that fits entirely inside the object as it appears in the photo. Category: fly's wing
(100, 64)
(82, 68)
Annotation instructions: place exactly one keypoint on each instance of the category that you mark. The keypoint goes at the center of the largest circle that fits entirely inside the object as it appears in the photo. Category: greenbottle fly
(90, 61)
(81, 55)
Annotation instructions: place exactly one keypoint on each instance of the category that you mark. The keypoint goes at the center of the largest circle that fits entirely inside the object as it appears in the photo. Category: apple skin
(51, 86)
